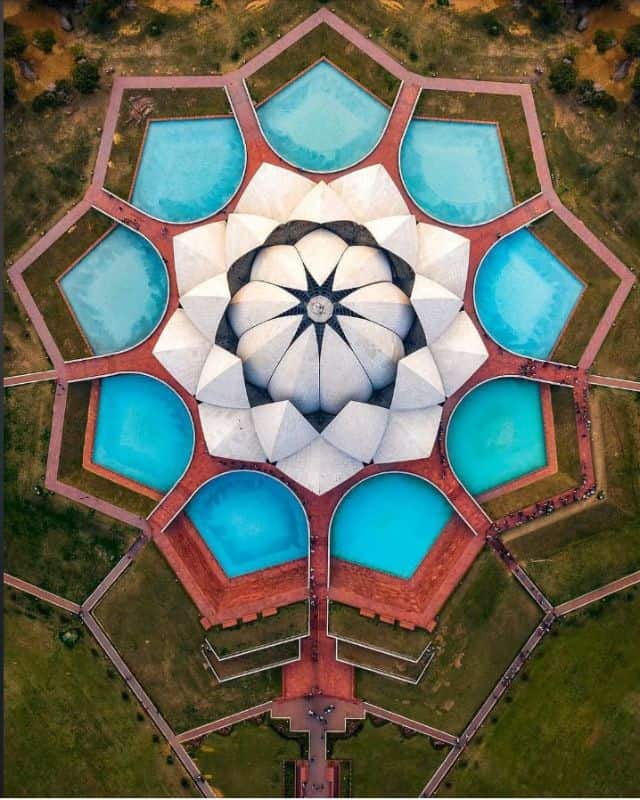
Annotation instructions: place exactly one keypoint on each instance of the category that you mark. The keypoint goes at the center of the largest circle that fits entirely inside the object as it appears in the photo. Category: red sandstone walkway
(223, 722)
(30, 377)
(615, 383)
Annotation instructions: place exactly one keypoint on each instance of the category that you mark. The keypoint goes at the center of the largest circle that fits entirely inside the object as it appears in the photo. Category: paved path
(597, 594)
(146, 702)
(31, 377)
(405, 722)
(500, 549)
(41, 594)
(112, 576)
(615, 383)
(224, 722)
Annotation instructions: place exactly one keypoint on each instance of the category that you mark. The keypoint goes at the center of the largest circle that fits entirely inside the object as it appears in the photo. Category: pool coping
(255, 107)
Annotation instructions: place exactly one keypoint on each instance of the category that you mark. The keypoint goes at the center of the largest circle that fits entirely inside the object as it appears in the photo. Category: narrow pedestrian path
(112, 576)
(224, 722)
(618, 585)
(614, 383)
(41, 594)
(30, 377)
(414, 725)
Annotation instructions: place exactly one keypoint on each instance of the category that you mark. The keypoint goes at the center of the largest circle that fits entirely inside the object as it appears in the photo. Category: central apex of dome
(319, 308)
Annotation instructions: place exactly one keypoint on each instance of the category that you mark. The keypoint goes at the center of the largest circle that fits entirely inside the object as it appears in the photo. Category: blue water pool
(189, 168)
(388, 522)
(323, 120)
(118, 291)
(143, 431)
(496, 434)
(249, 521)
(455, 171)
(524, 295)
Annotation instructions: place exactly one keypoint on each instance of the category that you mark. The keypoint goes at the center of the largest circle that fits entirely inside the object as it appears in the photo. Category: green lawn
(364, 657)
(71, 469)
(600, 285)
(23, 351)
(48, 540)
(290, 621)
(248, 762)
(507, 111)
(569, 473)
(129, 135)
(573, 728)
(385, 763)
(70, 727)
(232, 667)
(620, 353)
(479, 631)
(585, 550)
(323, 41)
(348, 622)
(41, 276)
(156, 627)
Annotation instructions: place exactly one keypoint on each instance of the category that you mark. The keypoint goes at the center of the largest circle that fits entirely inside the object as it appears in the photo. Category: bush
(551, 14)
(86, 76)
(249, 39)
(631, 41)
(44, 40)
(563, 76)
(62, 95)
(491, 24)
(15, 45)
(590, 96)
(100, 14)
(10, 86)
(603, 40)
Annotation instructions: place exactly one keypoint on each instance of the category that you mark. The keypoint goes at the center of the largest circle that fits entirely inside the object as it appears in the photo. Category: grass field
(48, 540)
(41, 276)
(70, 727)
(71, 469)
(585, 550)
(23, 351)
(507, 111)
(323, 42)
(346, 621)
(385, 763)
(569, 470)
(371, 659)
(573, 728)
(619, 356)
(479, 631)
(600, 285)
(167, 104)
(248, 761)
(289, 622)
(230, 668)
(156, 627)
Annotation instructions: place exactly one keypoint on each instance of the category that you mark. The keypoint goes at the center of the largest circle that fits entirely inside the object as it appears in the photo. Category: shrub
(491, 24)
(399, 39)
(100, 14)
(15, 45)
(563, 76)
(86, 76)
(631, 41)
(249, 39)
(603, 40)
(62, 95)
(10, 86)
(156, 25)
(551, 14)
(44, 40)
(589, 95)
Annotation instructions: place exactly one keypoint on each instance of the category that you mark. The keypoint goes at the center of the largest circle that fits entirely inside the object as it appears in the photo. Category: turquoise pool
(496, 434)
(524, 295)
(389, 522)
(189, 168)
(323, 120)
(455, 171)
(143, 431)
(249, 521)
(118, 291)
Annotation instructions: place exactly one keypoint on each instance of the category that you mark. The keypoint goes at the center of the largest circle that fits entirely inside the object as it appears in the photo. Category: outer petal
(371, 193)
(397, 235)
(319, 466)
(182, 350)
(206, 303)
(273, 192)
(443, 256)
(418, 382)
(322, 204)
(357, 430)
(281, 429)
(229, 433)
(410, 435)
(245, 232)
(435, 306)
(222, 380)
(459, 352)
(199, 254)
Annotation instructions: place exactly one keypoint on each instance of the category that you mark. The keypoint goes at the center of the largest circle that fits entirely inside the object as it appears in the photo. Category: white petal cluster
(280, 352)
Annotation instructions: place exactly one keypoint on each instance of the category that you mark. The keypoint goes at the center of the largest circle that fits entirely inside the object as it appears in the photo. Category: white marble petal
(398, 235)
(206, 303)
(443, 256)
(262, 347)
(357, 430)
(229, 433)
(418, 382)
(246, 232)
(319, 466)
(297, 376)
(182, 350)
(458, 353)
(410, 435)
(342, 377)
(257, 302)
(377, 348)
(280, 264)
(359, 266)
(383, 303)
(273, 192)
(320, 251)
(371, 193)
(435, 306)
(199, 254)
(221, 381)
(281, 429)
(320, 205)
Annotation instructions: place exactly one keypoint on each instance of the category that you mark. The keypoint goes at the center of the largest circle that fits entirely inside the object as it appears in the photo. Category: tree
(631, 41)
(86, 76)
(491, 24)
(591, 96)
(563, 76)
(15, 45)
(10, 86)
(551, 14)
(603, 40)
(44, 40)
